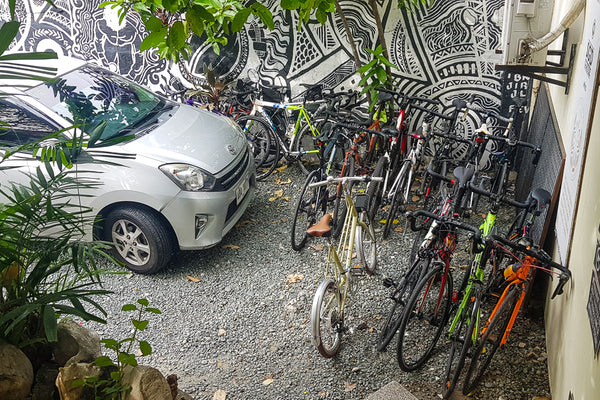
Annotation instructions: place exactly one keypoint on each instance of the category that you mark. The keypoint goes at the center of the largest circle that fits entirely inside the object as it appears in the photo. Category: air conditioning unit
(525, 20)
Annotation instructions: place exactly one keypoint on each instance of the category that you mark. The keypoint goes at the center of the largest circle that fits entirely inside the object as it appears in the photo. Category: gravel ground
(242, 326)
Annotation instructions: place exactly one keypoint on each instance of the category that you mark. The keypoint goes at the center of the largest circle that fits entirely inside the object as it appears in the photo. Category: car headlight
(189, 177)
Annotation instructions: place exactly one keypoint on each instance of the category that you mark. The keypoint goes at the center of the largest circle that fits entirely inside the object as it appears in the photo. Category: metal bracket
(550, 67)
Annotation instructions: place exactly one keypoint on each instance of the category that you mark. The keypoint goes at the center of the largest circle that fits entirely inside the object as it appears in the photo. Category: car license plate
(241, 190)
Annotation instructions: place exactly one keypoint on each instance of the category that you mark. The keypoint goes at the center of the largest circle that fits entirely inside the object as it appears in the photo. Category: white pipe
(567, 21)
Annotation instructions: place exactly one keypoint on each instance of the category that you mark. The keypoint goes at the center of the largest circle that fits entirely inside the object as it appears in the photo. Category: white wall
(573, 367)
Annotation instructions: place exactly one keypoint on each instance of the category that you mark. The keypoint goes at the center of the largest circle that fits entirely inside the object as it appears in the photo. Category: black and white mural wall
(446, 51)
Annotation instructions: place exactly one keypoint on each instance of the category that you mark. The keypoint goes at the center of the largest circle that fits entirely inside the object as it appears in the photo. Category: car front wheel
(141, 240)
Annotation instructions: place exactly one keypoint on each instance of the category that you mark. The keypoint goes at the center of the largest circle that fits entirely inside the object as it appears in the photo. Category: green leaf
(50, 324)
(290, 4)
(8, 31)
(170, 5)
(381, 74)
(216, 48)
(153, 310)
(240, 19)
(110, 343)
(145, 348)
(366, 67)
(104, 361)
(153, 24)
(264, 14)
(139, 325)
(143, 302)
(127, 359)
(129, 307)
(177, 35)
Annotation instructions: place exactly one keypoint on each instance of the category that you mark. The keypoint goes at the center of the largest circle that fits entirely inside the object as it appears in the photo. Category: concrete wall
(573, 363)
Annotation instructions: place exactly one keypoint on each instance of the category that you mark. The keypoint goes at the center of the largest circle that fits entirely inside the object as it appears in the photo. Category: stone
(75, 344)
(73, 372)
(146, 383)
(16, 373)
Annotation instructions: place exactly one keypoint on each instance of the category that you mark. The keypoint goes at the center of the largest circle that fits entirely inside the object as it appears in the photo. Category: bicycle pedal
(389, 282)
(357, 270)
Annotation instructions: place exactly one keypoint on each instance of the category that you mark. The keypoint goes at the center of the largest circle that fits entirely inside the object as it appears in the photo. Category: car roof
(46, 69)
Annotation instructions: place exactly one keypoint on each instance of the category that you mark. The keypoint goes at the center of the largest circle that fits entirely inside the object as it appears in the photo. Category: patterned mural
(445, 51)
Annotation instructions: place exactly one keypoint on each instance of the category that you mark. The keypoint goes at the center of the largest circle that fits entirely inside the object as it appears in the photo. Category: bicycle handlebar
(431, 112)
(452, 137)
(491, 113)
(513, 143)
(540, 255)
(476, 232)
(496, 197)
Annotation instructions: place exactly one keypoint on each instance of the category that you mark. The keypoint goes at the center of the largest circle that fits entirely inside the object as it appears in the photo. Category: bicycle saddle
(321, 228)
(463, 175)
(540, 198)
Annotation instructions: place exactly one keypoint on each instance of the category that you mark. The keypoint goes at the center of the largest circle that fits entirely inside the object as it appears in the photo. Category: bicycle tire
(258, 133)
(375, 189)
(340, 208)
(424, 319)
(461, 338)
(366, 245)
(306, 141)
(310, 208)
(490, 341)
(398, 199)
(400, 296)
(326, 319)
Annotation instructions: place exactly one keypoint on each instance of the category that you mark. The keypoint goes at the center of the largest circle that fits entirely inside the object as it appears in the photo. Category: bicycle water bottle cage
(361, 202)
(540, 198)
(321, 228)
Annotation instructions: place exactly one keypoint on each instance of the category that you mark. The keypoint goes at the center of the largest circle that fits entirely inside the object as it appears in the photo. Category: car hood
(192, 136)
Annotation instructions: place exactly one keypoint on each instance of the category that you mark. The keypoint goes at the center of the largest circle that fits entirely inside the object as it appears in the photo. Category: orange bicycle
(518, 277)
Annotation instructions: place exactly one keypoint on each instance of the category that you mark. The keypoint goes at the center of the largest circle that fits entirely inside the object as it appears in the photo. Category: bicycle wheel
(366, 246)
(258, 133)
(398, 199)
(400, 296)
(462, 340)
(340, 209)
(490, 341)
(375, 189)
(424, 319)
(310, 208)
(254, 126)
(326, 319)
(305, 141)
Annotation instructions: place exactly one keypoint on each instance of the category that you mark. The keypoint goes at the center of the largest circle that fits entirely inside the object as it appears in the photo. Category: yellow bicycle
(328, 307)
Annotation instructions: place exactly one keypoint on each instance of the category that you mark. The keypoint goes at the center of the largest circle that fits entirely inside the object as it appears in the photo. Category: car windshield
(97, 99)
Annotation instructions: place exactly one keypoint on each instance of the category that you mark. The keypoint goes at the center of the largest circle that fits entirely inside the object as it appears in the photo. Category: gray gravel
(244, 327)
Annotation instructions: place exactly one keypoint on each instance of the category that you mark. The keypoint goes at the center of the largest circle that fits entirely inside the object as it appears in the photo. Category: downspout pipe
(567, 21)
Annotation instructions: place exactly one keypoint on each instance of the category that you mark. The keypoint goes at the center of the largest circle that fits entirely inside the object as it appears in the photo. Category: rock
(146, 383)
(75, 344)
(72, 372)
(44, 386)
(16, 373)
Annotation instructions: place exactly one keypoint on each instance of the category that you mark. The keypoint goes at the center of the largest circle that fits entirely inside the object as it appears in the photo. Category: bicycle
(329, 304)
(464, 329)
(426, 248)
(519, 276)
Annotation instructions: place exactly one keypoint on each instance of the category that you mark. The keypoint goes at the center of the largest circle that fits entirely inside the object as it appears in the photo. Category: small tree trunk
(381, 36)
(349, 34)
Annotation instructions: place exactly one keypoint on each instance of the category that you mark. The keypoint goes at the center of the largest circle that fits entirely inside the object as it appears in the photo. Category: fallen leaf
(219, 364)
(410, 208)
(220, 395)
(193, 278)
(317, 247)
(398, 229)
(293, 278)
(348, 387)
(278, 193)
(282, 168)
(462, 266)
(283, 219)
(416, 198)
(286, 198)
(272, 198)
(222, 332)
(241, 224)
(231, 246)
(268, 381)
(280, 182)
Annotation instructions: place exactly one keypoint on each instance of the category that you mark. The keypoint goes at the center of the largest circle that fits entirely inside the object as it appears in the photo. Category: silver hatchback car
(182, 182)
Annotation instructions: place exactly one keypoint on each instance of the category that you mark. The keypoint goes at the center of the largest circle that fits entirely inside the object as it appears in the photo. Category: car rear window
(20, 124)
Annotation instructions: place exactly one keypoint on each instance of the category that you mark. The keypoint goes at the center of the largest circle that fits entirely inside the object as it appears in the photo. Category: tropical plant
(374, 75)
(112, 386)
